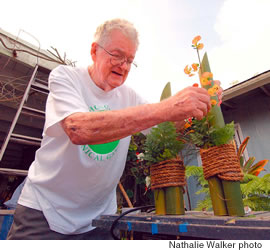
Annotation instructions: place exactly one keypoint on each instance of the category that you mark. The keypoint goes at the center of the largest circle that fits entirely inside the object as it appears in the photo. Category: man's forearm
(107, 126)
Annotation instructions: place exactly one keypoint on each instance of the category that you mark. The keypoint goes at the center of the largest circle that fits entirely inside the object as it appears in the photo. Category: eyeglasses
(117, 59)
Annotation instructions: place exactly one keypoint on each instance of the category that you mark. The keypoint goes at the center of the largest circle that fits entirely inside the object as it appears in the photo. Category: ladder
(38, 86)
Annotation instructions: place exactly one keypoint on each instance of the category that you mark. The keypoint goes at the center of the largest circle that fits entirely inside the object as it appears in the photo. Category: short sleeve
(64, 99)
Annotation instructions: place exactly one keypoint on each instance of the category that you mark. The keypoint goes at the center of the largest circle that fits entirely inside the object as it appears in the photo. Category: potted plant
(166, 168)
(255, 189)
(213, 136)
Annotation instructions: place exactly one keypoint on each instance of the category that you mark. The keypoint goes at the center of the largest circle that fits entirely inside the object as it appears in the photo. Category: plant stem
(199, 57)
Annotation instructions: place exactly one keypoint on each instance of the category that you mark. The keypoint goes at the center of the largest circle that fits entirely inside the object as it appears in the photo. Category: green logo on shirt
(104, 148)
(100, 152)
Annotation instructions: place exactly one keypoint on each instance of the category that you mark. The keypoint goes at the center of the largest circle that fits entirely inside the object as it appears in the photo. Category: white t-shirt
(73, 184)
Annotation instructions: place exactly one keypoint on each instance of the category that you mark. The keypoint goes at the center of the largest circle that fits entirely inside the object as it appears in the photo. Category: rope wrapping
(169, 173)
(221, 161)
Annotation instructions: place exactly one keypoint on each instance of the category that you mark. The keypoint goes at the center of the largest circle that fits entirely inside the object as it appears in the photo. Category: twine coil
(221, 161)
(169, 173)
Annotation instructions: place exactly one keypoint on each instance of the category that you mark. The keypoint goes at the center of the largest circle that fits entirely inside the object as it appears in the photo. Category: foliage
(162, 144)
(255, 190)
(204, 134)
(248, 166)
(133, 178)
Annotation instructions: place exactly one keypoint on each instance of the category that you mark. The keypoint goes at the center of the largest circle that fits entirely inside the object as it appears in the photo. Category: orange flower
(216, 88)
(213, 102)
(200, 46)
(206, 78)
(211, 92)
(188, 71)
(205, 81)
(195, 66)
(195, 43)
(207, 75)
(187, 125)
(195, 85)
(196, 40)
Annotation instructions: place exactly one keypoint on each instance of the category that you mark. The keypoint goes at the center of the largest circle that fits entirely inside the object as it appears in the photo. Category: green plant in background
(135, 173)
(161, 143)
(248, 167)
(255, 190)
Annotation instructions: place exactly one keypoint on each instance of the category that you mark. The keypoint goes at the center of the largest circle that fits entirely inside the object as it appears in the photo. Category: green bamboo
(217, 196)
(218, 119)
(233, 196)
(215, 184)
(172, 194)
(160, 204)
(231, 189)
(174, 200)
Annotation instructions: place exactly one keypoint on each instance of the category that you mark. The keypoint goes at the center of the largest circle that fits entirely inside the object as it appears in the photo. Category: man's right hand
(189, 102)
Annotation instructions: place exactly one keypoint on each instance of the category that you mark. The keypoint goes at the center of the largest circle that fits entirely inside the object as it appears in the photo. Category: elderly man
(82, 156)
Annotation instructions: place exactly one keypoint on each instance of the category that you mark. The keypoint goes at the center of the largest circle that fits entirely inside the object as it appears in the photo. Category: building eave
(255, 82)
(26, 52)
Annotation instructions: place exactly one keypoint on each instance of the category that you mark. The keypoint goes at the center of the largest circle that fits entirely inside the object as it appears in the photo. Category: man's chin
(116, 84)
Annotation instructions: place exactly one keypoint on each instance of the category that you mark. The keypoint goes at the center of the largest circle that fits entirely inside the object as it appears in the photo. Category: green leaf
(223, 135)
(258, 166)
(162, 144)
(248, 164)
(129, 193)
(243, 146)
(166, 92)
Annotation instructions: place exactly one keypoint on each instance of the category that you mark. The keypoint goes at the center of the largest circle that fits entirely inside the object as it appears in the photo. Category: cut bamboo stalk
(160, 204)
(171, 194)
(233, 196)
(218, 120)
(231, 189)
(174, 200)
(217, 196)
(215, 184)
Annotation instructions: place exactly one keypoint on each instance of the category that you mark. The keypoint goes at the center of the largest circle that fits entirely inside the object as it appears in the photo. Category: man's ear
(94, 51)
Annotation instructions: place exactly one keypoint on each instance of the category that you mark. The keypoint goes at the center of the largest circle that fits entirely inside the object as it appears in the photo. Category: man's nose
(125, 65)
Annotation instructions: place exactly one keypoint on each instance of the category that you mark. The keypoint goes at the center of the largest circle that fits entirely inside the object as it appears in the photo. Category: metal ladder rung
(9, 171)
(41, 81)
(23, 139)
(40, 88)
(32, 111)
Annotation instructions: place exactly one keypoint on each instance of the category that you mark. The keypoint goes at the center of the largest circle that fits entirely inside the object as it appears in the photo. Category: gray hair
(127, 28)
